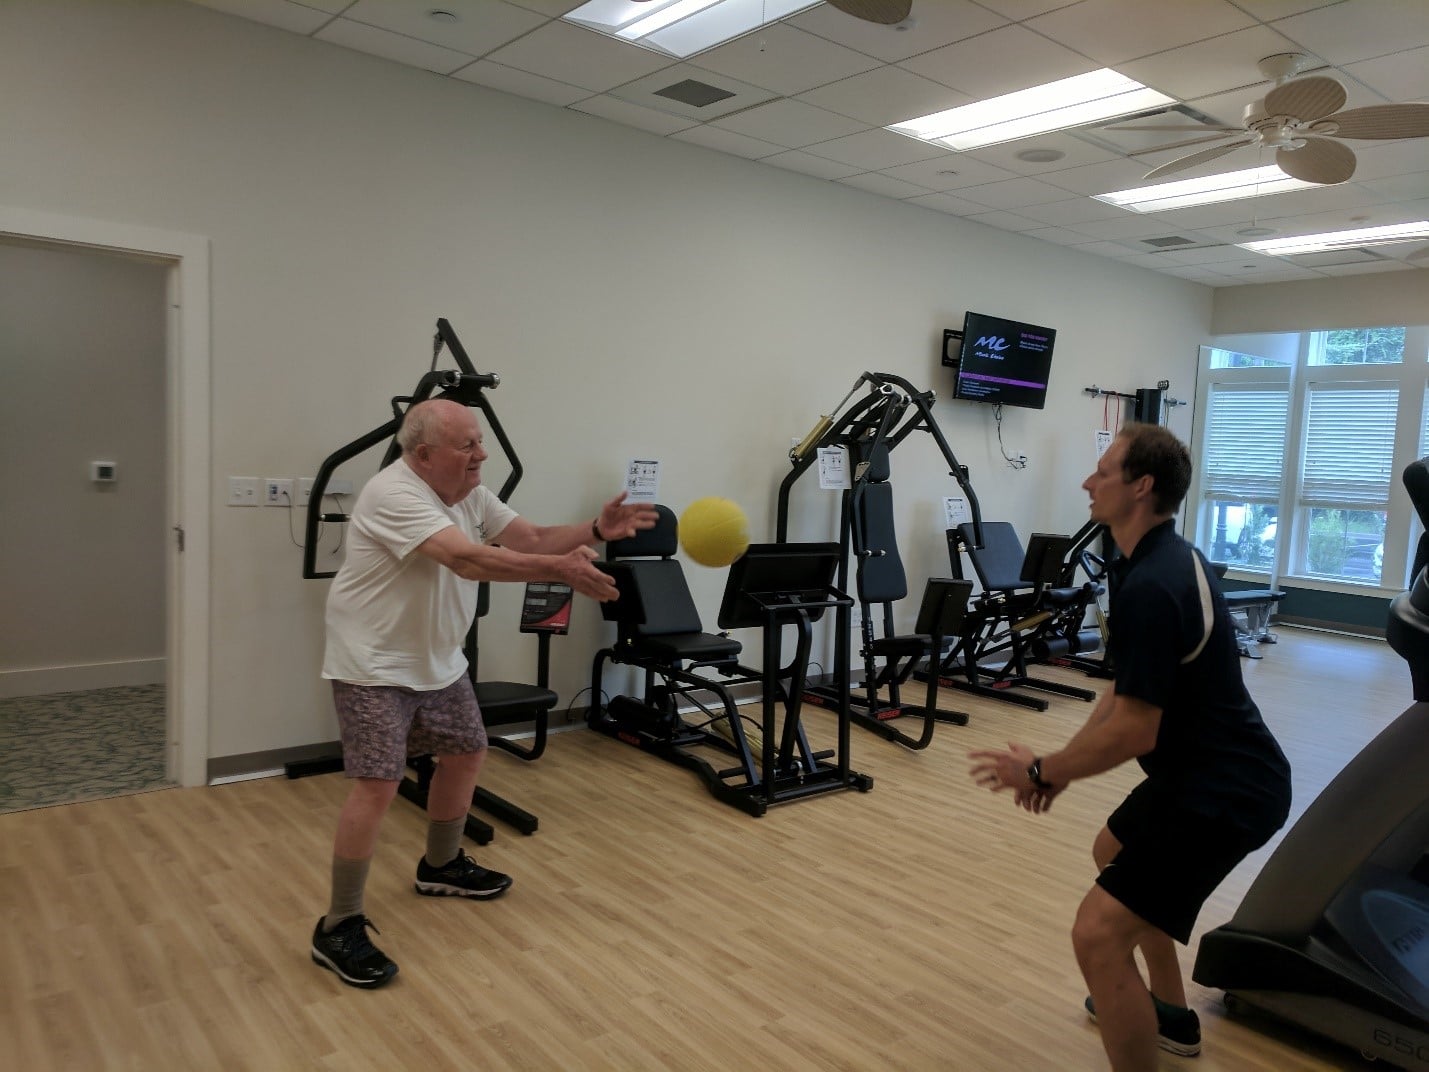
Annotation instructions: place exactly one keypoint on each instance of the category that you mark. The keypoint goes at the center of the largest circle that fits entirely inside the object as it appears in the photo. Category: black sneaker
(461, 877)
(347, 951)
(1178, 1029)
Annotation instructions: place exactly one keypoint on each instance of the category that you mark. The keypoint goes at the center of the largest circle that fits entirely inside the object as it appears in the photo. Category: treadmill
(1334, 933)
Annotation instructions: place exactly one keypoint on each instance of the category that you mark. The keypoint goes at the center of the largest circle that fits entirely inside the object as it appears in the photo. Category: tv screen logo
(992, 345)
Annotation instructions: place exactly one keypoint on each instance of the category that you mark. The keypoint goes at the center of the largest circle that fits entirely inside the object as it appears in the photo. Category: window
(1243, 465)
(1359, 346)
(1344, 477)
(1300, 441)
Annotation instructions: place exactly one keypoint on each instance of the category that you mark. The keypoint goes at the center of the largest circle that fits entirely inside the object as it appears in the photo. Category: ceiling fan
(1300, 120)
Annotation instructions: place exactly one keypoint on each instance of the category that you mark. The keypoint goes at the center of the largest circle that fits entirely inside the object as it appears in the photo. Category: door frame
(188, 451)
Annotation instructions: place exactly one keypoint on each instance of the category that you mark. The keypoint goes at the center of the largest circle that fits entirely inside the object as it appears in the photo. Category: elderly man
(1217, 785)
(424, 532)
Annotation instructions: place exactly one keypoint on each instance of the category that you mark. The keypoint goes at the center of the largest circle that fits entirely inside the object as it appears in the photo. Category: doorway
(79, 572)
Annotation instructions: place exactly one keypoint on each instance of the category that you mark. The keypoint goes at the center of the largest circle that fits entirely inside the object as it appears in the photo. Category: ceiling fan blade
(1380, 121)
(1306, 98)
(1194, 159)
(1319, 160)
(1181, 144)
(887, 12)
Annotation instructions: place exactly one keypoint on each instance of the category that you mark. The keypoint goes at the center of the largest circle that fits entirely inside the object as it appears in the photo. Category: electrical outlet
(243, 491)
(277, 491)
(305, 490)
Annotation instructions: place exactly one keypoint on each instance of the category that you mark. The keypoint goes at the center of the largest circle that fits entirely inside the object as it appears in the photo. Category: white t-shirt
(395, 617)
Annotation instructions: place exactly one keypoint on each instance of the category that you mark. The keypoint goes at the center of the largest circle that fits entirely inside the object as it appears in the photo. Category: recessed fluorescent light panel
(681, 28)
(1363, 236)
(1070, 102)
(1232, 186)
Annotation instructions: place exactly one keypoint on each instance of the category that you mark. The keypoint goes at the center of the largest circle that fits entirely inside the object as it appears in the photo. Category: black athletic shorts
(1171, 859)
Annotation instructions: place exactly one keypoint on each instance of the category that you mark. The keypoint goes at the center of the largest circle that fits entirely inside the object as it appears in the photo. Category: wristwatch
(1034, 774)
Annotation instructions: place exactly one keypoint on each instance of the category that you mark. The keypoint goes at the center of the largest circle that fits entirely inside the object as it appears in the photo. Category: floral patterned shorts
(382, 725)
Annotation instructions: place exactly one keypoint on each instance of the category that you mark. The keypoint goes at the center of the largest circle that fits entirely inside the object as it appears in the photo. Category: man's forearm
(1118, 730)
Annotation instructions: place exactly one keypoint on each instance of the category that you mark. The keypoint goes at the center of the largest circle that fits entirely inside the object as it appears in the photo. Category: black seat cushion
(687, 647)
(511, 701)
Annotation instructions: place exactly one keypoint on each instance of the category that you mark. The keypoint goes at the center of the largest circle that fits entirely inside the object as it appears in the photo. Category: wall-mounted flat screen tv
(1004, 361)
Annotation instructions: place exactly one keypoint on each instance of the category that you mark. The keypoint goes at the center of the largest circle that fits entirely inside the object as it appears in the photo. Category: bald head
(432, 421)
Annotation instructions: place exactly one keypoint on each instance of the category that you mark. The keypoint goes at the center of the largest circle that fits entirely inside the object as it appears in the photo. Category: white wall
(639, 297)
(1361, 301)
(82, 379)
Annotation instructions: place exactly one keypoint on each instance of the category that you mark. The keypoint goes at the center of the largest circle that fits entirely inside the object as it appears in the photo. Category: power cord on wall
(1019, 462)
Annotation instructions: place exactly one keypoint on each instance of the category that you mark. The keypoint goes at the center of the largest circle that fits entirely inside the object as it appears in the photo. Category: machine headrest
(659, 542)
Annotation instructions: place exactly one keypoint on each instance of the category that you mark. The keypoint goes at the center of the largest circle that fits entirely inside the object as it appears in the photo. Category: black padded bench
(1251, 609)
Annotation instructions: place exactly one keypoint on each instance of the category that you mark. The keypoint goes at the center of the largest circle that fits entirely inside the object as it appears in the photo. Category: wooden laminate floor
(922, 925)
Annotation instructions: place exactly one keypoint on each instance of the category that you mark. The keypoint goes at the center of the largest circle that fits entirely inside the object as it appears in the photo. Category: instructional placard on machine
(1104, 438)
(642, 480)
(955, 512)
(833, 468)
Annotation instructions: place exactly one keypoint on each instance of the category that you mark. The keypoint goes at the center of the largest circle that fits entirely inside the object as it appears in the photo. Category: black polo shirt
(1174, 646)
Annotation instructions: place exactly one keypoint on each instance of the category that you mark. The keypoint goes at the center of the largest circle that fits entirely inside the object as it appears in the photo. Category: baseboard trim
(81, 677)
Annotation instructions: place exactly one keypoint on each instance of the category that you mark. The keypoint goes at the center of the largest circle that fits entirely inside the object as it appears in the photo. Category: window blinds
(1349, 444)
(1245, 442)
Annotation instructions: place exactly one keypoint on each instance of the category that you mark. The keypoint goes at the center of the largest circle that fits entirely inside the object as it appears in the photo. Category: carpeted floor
(72, 746)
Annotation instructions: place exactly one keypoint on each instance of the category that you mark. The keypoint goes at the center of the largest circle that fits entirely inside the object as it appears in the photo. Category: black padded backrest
(998, 562)
(659, 585)
(880, 575)
(877, 458)
(659, 542)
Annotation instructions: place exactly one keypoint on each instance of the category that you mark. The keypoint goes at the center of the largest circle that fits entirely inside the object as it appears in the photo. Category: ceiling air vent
(1169, 241)
(695, 94)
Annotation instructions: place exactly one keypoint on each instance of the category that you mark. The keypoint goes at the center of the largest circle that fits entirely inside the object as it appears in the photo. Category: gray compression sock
(444, 840)
(349, 878)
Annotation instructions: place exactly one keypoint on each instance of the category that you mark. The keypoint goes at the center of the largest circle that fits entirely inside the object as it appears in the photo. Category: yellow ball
(714, 531)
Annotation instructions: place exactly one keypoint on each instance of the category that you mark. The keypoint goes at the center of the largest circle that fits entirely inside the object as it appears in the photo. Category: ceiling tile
(553, 8)
(1017, 10)
(1220, 64)
(1075, 152)
(884, 185)
(877, 150)
(784, 59)
(1265, 10)
(950, 171)
(1005, 221)
(1132, 227)
(652, 92)
(1107, 249)
(727, 141)
(790, 122)
(953, 206)
(1359, 29)
(1403, 76)
(1398, 187)
(1073, 212)
(1060, 235)
(999, 62)
(570, 54)
(1098, 178)
(1378, 161)
(1013, 193)
(1114, 31)
(521, 83)
(810, 165)
(392, 46)
(295, 18)
(884, 96)
(1366, 269)
(480, 26)
(933, 25)
(634, 115)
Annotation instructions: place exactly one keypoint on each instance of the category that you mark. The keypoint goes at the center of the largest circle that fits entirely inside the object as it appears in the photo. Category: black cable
(1014, 463)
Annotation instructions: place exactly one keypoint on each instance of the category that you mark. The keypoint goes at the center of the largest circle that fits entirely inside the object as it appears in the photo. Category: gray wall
(640, 297)
(82, 379)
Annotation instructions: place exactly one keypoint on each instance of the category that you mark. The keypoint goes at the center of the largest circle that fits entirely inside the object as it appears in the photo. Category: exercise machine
(1333, 935)
(684, 669)
(889, 410)
(1020, 605)
(501, 702)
